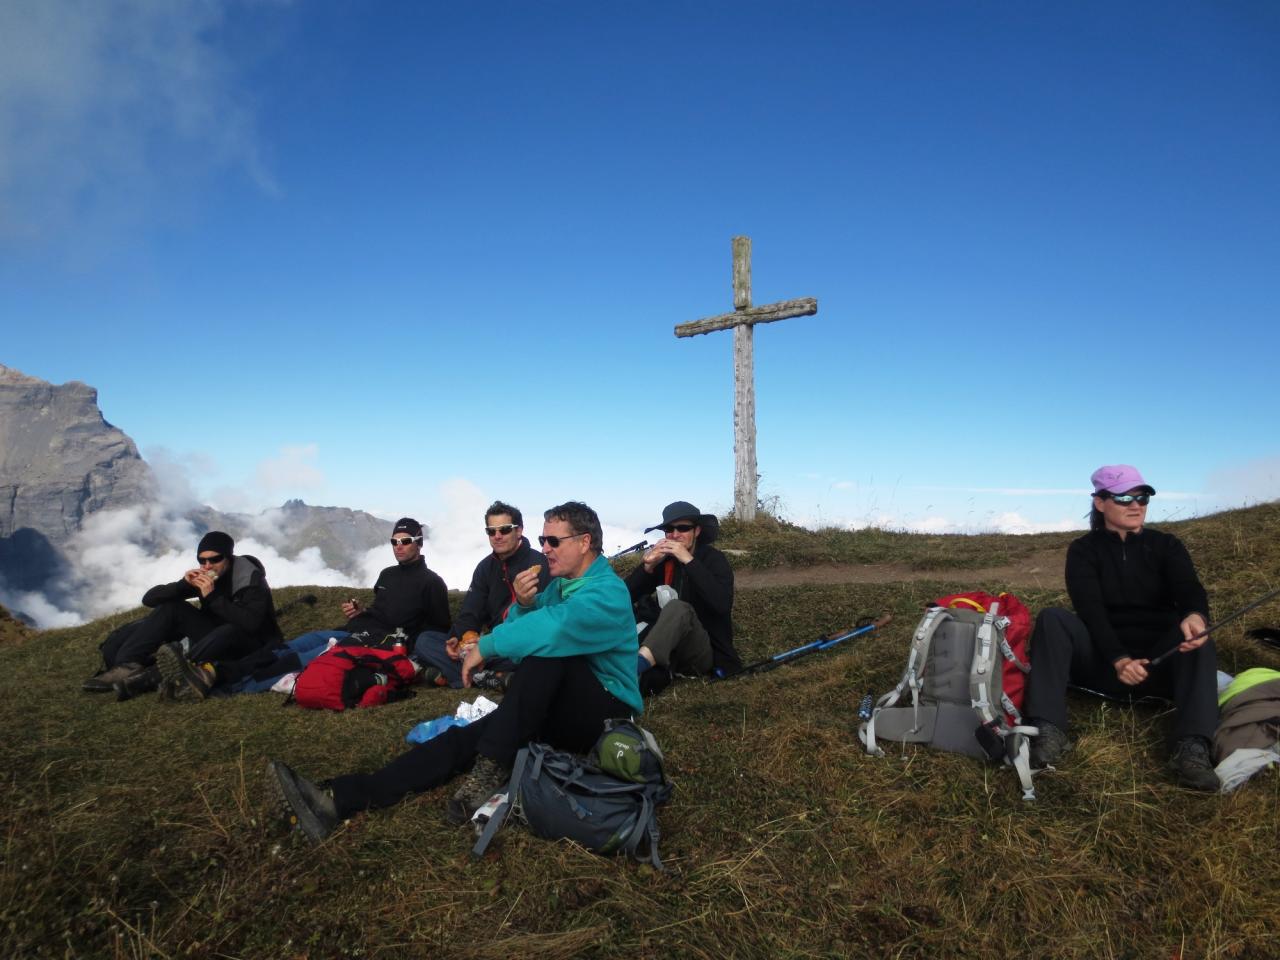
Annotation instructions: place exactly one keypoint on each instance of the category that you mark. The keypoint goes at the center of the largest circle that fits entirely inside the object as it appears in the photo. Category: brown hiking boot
(143, 680)
(104, 680)
(177, 671)
(486, 778)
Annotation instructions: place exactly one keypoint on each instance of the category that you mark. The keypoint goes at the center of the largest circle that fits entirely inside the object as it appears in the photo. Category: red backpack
(1016, 634)
(343, 677)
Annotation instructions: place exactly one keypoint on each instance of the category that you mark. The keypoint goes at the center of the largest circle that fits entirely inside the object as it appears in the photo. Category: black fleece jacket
(240, 598)
(706, 584)
(490, 594)
(1132, 593)
(407, 595)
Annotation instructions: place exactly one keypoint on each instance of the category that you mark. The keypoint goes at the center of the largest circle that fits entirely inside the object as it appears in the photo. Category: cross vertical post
(742, 320)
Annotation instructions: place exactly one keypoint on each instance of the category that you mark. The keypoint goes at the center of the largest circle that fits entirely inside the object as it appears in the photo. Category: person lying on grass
(576, 646)
(407, 596)
(1136, 595)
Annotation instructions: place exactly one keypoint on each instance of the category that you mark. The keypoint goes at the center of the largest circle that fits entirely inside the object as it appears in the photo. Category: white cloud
(111, 111)
(457, 541)
(39, 608)
(294, 470)
(1006, 522)
(1255, 481)
(119, 554)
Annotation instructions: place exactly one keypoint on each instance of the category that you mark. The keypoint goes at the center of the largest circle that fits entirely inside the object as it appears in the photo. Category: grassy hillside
(144, 829)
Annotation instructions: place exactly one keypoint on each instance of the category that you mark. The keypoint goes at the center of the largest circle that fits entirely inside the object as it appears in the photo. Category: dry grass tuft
(145, 830)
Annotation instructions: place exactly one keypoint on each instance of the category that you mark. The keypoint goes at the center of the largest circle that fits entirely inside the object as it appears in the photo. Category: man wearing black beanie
(235, 615)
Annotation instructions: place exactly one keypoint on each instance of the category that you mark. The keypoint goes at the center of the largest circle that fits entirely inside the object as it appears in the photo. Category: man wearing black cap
(407, 596)
(691, 627)
(235, 615)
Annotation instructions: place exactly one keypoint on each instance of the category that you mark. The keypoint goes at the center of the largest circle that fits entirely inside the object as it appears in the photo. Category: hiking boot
(306, 805)
(1048, 747)
(433, 677)
(1192, 765)
(176, 671)
(143, 680)
(486, 778)
(104, 680)
(491, 680)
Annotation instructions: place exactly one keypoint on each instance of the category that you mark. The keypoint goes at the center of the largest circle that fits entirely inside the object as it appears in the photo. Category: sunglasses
(504, 529)
(678, 527)
(216, 558)
(404, 541)
(554, 542)
(1124, 499)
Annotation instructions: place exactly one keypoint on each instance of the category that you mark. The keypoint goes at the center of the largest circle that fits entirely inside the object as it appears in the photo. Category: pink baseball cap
(1119, 478)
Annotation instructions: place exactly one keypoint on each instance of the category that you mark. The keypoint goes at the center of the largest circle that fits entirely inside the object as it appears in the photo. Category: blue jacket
(588, 616)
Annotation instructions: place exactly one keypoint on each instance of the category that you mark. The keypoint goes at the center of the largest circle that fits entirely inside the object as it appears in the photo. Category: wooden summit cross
(743, 318)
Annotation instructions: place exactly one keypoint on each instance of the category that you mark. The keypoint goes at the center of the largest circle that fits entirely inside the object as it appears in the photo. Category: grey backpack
(607, 801)
(958, 703)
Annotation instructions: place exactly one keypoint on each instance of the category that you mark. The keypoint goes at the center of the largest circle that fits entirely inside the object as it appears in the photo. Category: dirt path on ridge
(1042, 570)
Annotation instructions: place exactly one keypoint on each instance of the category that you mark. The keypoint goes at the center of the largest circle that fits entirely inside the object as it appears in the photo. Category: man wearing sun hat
(1136, 595)
(692, 631)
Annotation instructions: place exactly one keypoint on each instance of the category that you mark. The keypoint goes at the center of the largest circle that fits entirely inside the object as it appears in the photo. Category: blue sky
(368, 254)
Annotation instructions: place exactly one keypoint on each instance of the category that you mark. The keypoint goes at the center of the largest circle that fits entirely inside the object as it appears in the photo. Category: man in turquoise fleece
(576, 645)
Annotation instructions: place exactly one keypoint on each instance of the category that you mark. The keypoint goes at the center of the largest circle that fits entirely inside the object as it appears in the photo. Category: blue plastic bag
(429, 729)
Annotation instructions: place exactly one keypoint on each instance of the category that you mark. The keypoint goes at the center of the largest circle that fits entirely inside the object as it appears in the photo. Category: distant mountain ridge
(61, 462)
(342, 535)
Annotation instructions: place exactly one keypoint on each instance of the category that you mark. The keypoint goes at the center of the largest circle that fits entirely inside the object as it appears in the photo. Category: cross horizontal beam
(749, 316)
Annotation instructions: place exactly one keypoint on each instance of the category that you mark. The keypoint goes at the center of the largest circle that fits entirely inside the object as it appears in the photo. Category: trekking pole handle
(1212, 627)
(634, 548)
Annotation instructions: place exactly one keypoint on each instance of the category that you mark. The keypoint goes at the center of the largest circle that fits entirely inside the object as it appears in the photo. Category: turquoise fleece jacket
(589, 616)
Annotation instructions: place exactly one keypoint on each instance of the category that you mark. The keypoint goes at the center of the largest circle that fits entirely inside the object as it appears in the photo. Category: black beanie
(408, 525)
(218, 542)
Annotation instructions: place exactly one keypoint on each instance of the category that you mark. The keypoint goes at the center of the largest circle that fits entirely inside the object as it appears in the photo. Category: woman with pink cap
(1136, 594)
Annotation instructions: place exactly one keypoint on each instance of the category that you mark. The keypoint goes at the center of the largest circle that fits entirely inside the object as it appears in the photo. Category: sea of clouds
(119, 554)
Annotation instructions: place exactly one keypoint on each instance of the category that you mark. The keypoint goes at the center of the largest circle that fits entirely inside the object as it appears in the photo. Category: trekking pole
(822, 643)
(634, 548)
(1208, 630)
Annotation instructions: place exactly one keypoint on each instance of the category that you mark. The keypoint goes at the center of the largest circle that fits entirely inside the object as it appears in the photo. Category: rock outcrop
(59, 459)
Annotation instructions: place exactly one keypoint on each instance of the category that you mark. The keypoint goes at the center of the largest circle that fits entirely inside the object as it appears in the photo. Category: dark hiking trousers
(555, 700)
(679, 640)
(1062, 653)
(211, 639)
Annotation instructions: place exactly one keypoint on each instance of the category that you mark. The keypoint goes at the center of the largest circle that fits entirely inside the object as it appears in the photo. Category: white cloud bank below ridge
(120, 554)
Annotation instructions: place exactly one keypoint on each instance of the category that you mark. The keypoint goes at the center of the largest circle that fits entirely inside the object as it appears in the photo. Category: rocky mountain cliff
(59, 459)
(61, 462)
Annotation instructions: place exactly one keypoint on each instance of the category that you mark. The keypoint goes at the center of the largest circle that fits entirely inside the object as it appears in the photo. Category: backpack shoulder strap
(499, 816)
(912, 676)
(981, 679)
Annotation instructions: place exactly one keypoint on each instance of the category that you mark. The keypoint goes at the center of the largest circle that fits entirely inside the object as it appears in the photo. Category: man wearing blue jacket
(576, 645)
